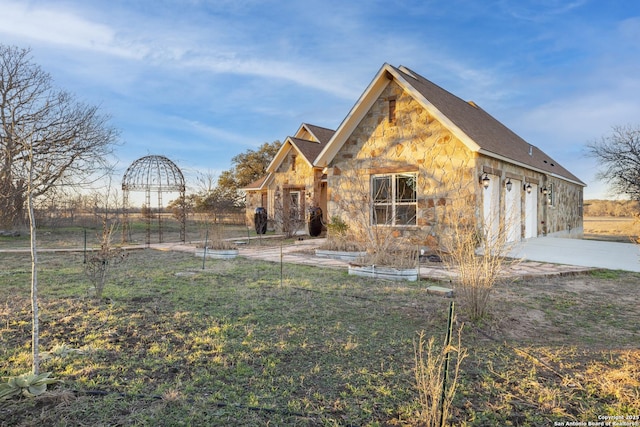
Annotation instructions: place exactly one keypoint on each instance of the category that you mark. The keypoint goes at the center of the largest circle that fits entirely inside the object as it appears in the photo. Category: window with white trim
(394, 199)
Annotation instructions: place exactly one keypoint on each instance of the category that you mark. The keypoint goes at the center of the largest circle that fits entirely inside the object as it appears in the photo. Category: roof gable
(308, 148)
(321, 135)
(477, 129)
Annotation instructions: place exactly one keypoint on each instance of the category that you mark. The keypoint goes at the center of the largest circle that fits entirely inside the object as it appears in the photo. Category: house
(293, 183)
(403, 153)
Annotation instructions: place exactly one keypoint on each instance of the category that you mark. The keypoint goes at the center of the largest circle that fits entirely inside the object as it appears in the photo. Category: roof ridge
(491, 135)
(317, 126)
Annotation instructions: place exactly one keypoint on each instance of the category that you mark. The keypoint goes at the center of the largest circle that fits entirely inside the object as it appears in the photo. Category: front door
(294, 206)
(513, 210)
(293, 214)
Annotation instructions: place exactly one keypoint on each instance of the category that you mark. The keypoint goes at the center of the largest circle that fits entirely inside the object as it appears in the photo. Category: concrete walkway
(544, 256)
(302, 252)
(577, 252)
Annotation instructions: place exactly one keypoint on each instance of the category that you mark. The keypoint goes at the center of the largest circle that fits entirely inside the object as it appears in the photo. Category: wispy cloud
(540, 10)
(160, 46)
(225, 75)
(52, 25)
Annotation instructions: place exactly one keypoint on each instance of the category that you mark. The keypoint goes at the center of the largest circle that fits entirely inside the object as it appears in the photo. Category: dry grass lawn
(621, 229)
(235, 344)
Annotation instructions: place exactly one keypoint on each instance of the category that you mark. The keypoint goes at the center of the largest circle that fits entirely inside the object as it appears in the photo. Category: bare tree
(46, 139)
(66, 140)
(619, 158)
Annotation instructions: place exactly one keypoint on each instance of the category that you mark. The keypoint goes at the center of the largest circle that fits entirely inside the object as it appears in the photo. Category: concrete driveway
(586, 253)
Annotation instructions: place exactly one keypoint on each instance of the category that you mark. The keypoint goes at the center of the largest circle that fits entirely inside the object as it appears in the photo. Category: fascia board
(446, 122)
(525, 166)
(280, 156)
(267, 181)
(357, 113)
(302, 126)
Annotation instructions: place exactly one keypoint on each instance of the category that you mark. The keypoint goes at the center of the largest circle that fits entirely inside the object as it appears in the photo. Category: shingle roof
(491, 135)
(257, 184)
(309, 149)
(322, 134)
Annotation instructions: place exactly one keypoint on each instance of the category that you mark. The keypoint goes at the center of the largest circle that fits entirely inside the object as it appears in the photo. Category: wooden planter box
(341, 255)
(218, 253)
(410, 274)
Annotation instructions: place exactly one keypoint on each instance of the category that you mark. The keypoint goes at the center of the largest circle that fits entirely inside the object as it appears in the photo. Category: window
(394, 199)
(293, 162)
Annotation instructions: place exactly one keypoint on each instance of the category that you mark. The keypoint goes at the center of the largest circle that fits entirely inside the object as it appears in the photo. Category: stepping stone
(439, 290)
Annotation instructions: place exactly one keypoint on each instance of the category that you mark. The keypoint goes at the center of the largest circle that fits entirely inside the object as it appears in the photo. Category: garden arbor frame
(153, 174)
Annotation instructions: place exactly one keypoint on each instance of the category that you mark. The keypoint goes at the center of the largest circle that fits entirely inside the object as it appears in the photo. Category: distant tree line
(221, 197)
(618, 208)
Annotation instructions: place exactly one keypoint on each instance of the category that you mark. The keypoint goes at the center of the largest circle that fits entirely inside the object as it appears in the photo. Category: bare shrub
(477, 255)
(435, 398)
(99, 264)
(288, 213)
(215, 238)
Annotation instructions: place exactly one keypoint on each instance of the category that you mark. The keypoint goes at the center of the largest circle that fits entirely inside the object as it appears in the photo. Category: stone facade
(413, 141)
(398, 135)
(294, 189)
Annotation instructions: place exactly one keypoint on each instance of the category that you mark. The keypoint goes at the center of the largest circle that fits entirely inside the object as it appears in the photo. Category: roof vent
(473, 104)
(531, 150)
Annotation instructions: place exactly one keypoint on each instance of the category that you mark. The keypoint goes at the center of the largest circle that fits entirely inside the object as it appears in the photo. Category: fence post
(204, 252)
(445, 376)
(281, 262)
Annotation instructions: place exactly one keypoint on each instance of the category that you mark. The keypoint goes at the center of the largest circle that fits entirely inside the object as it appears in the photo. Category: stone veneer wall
(562, 218)
(565, 216)
(289, 178)
(414, 142)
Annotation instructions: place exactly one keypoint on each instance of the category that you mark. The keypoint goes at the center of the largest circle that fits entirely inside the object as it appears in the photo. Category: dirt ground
(599, 309)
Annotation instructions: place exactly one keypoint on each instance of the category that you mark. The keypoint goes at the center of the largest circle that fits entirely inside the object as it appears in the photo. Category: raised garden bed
(341, 255)
(217, 253)
(389, 273)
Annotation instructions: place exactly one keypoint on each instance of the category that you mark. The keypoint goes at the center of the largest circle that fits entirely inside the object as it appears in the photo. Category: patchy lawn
(172, 344)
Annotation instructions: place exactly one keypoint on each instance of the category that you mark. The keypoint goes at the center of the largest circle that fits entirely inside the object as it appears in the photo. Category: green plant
(28, 385)
(339, 238)
(337, 227)
(61, 351)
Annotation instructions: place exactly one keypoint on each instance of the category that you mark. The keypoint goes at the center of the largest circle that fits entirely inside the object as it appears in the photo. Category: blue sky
(200, 81)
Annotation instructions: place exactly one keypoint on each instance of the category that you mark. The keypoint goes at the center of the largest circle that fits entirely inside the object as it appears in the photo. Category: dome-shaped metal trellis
(157, 174)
